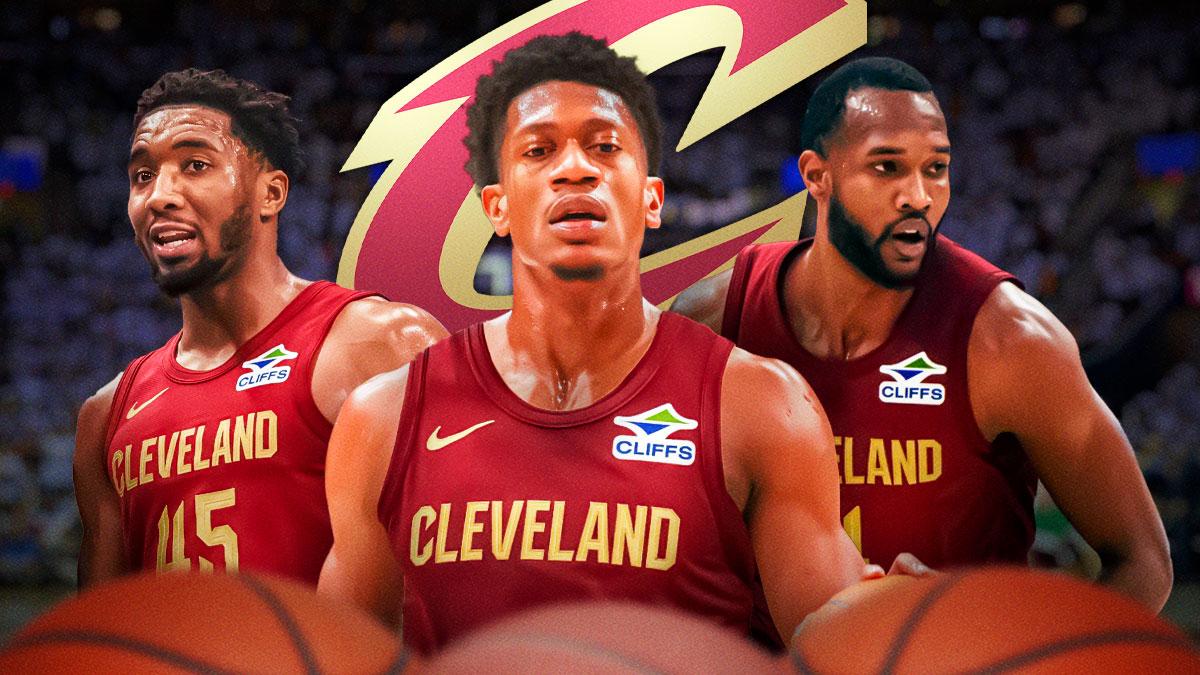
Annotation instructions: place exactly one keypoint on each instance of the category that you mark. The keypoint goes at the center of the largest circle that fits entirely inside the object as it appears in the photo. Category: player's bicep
(1093, 476)
(804, 556)
(792, 510)
(1028, 379)
(100, 553)
(360, 567)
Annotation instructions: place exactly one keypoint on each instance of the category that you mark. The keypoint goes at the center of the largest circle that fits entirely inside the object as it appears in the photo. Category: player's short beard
(851, 240)
(585, 273)
(208, 271)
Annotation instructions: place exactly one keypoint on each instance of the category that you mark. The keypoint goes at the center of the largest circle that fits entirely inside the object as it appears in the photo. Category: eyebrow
(141, 151)
(886, 150)
(590, 126)
(536, 127)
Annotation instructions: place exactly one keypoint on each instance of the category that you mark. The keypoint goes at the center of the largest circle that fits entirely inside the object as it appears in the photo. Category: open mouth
(580, 215)
(909, 236)
(573, 209)
(911, 230)
(170, 240)
(909, 239)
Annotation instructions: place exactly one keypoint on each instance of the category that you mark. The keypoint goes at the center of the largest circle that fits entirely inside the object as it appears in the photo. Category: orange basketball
(195, 622)
(988, 620)
(603, 637)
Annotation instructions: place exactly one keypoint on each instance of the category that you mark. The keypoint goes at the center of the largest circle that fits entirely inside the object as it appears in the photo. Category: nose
(574, 166)
(914, 194)
(164, 192)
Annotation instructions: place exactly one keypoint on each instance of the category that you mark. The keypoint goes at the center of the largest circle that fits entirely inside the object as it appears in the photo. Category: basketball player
(585, 445)
(949, 389)
(209, 452)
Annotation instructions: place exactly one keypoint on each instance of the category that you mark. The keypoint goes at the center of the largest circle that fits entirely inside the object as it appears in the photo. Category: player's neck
(567, 344)
(835, 312)
(219, 320)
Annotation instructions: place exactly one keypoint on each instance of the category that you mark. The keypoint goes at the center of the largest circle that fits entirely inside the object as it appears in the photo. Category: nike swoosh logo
(435, 443)
(135, 408)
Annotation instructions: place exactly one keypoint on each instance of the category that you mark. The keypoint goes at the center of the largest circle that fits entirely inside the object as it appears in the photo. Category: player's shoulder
(771, 421)
(1011, 324)
(704, 301)
(747, 368)
(1021, 362)
(99, 403)
(370, 335)
(374, 315)
(92, 425)
(766, 390)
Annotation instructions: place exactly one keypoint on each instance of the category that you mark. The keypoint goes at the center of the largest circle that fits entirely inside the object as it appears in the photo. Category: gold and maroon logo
(423, 210)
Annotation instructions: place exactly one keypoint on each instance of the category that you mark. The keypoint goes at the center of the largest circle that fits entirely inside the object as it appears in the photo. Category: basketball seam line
(290, 626)
(914, 617)
(137, 646)
(1046, 651)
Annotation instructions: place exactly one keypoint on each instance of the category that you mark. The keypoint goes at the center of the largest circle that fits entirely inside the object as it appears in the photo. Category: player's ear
(495, 207)
(814, 170)
(653, 201)
(275, 191)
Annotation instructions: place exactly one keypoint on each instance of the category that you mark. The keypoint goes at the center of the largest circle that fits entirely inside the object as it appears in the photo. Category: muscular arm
(369, 337)
(1026, 378)
(781, 470)
(704, 301)
(100, 553)
(360, 567)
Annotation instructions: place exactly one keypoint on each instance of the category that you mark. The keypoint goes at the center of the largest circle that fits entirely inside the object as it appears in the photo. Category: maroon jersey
(224, 469)
(493, 506)
(917, 475)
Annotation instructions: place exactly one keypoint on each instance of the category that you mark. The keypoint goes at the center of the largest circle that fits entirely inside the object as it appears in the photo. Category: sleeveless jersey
(224, 469)
(493, 506)
(916, 473)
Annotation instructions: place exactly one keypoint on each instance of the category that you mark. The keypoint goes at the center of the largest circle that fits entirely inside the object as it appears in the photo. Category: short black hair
(827, 107)
(259, 118)
(573, 57)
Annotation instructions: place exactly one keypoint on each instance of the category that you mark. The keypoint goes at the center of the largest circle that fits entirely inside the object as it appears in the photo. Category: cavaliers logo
(421, 232)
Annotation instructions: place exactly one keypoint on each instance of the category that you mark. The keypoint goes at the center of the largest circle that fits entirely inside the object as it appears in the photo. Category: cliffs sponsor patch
(265, 369)
(908, 382)
(651, 441)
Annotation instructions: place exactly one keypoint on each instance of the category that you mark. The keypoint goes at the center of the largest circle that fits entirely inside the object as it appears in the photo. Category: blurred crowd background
(1074, 128)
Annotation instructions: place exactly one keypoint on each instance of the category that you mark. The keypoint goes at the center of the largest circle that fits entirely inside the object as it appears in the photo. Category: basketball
(994, 620)
(603, 637)
(195, 622)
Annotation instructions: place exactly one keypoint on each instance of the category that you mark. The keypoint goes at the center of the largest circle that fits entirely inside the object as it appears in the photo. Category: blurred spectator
(18, 527)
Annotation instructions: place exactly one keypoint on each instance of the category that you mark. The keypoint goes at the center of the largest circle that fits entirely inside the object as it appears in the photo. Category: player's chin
(900, 272)
(904, 273)
(180, 277)
(175, 285)
(581, 272)
(173, 270)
